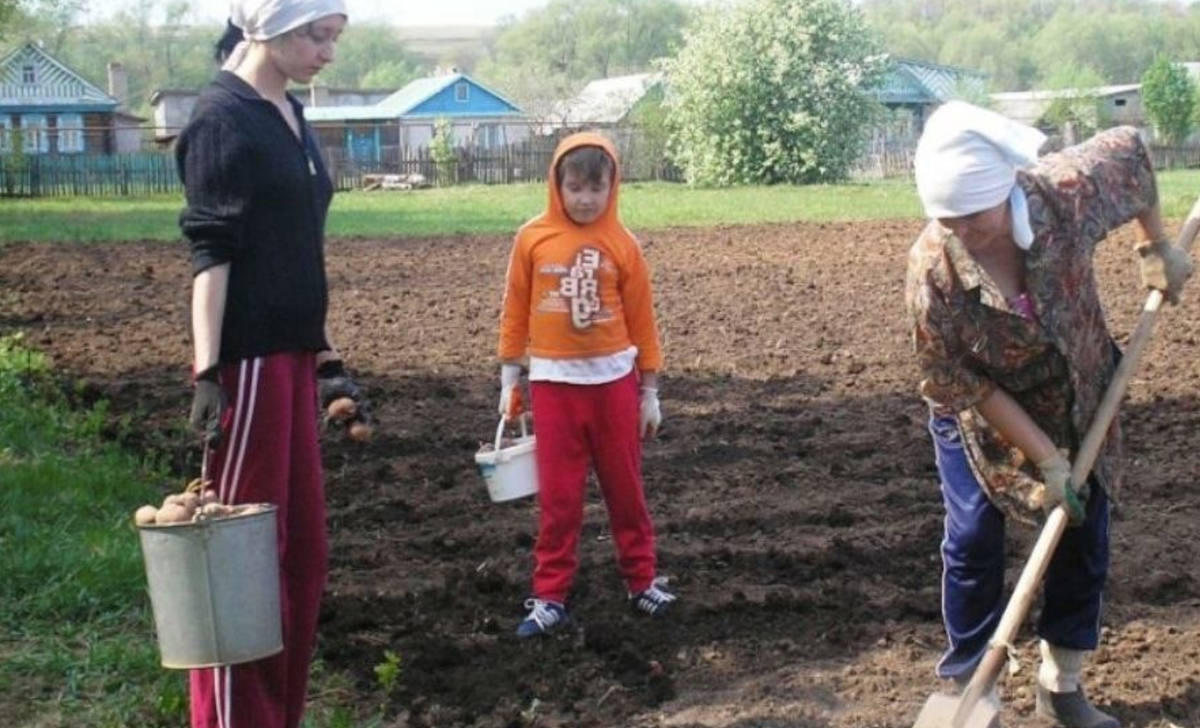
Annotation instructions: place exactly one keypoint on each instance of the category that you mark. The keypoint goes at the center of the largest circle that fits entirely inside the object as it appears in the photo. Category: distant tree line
(557, 48)
(1027, 44)
(761, 90)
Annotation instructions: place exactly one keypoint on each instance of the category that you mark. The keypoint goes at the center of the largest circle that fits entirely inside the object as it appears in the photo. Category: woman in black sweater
(257, 196)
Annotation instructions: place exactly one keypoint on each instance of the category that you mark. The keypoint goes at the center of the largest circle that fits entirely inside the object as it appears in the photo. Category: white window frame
(35, 135)
(70, 133)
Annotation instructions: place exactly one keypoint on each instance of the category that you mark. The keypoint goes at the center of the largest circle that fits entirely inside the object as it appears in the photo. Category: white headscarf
(967, 161)
(266, 19)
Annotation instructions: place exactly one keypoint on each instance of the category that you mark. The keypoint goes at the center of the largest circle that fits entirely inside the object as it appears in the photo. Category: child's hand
(649, 417)
(510, 396)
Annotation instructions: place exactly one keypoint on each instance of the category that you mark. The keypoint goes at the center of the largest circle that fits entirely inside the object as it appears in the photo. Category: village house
(172, 107)
(912, 89)
(605, 103)
(47, 108)
(1120, 104)
(479, 118)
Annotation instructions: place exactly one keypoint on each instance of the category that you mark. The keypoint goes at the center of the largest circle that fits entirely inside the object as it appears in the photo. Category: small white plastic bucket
(510, 472)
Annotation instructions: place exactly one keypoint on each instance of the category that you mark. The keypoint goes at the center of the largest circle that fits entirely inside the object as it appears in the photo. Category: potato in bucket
(213, 576)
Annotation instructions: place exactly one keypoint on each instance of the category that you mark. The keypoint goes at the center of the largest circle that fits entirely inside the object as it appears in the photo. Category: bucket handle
(500, 429)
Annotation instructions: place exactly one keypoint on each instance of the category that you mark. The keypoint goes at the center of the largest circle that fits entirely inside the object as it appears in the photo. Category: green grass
(500, 209)
(77, 645)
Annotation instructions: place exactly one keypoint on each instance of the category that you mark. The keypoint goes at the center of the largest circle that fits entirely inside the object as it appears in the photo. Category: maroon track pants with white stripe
(269, 454)
(577, 426)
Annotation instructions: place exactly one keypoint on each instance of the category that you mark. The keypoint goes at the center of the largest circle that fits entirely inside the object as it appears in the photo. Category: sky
(397, 12)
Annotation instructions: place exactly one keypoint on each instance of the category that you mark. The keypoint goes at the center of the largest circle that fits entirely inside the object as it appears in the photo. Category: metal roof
(607, 100)
(407, 102)
(909, 81)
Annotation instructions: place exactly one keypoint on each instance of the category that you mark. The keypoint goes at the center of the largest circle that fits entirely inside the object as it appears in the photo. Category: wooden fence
(1185, 156)
(153, 172)
(88, 175)
(527, 161)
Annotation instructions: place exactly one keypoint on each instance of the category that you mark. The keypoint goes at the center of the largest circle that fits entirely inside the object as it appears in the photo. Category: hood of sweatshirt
(556, 213)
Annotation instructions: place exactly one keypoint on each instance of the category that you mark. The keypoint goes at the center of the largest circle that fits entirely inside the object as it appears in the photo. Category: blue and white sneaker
(655, 600)
(544, 618)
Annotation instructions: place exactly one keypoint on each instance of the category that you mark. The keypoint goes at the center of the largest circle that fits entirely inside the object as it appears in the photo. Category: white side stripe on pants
(243, 419)
(239, 436)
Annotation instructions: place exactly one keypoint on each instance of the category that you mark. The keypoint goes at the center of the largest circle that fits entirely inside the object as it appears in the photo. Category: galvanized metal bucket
(214, 589)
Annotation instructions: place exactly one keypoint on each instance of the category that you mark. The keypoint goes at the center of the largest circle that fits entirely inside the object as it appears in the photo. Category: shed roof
(1065, 93)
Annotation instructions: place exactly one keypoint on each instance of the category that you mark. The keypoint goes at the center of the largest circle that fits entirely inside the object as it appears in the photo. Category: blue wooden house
(480, 118)
(47, 108)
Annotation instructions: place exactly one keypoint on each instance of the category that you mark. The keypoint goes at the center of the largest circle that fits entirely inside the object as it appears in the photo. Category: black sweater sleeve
(213, 163)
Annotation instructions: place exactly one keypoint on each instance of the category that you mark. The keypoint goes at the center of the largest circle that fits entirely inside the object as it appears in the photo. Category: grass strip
(77, 646)
(500, 209)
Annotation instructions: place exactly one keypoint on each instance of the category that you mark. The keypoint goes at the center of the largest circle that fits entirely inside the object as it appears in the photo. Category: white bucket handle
(500, 429)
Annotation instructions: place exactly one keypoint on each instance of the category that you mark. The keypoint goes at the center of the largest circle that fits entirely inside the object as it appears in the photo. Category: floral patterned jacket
(969, 339)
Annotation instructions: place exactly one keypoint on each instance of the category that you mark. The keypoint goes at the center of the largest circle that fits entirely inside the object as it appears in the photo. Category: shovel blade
(940, 711)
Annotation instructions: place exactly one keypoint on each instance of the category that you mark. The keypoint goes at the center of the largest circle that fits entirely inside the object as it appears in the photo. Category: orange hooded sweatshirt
(578, 291)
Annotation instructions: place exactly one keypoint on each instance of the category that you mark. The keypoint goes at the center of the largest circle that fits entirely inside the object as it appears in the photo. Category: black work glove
(334, 383)
(208, 406)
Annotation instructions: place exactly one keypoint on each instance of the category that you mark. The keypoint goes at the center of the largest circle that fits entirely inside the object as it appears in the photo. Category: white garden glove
(1165, 267)
(510, 396)
(649, 416)
(1056, 475)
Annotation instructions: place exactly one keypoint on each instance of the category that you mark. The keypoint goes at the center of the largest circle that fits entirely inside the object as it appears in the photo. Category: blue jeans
(973, 597)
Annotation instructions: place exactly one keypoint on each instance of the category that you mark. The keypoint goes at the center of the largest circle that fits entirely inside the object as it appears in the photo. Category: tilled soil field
(792, 486)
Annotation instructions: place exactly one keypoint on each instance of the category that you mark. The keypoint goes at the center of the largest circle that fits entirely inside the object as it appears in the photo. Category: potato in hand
(342, 409)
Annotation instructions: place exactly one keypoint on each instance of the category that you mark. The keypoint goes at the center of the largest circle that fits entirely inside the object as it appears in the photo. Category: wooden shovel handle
(1039, 559)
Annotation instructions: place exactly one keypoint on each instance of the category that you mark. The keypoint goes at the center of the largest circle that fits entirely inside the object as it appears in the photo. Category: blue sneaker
(544, 618)
(655, 600)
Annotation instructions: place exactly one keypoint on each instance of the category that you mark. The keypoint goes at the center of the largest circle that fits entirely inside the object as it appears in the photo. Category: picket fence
(153, 172)
(88, 175)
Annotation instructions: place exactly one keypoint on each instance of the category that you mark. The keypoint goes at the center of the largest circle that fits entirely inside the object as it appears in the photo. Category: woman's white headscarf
(266, 19)
(967, 161)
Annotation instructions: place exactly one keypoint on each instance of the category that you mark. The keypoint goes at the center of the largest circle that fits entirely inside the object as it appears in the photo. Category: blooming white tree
(772, 91)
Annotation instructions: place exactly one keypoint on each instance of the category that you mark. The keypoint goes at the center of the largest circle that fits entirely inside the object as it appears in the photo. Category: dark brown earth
(792, 486)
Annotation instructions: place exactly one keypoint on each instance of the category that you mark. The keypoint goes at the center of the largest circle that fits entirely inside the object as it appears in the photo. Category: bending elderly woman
(1014, 356)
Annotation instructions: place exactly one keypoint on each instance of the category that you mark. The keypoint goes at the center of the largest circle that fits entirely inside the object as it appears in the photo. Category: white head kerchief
(967, 161)
(266, 19)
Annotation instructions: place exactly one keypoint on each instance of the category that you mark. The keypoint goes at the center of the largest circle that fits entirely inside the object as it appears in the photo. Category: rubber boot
(1060, 695)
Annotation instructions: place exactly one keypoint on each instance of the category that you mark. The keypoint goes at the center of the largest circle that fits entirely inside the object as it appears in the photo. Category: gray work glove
(1058, 488)
(1164, 267)
(208, 407)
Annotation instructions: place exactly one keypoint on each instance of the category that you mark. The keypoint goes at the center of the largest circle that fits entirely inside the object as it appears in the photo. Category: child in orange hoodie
(578, 302)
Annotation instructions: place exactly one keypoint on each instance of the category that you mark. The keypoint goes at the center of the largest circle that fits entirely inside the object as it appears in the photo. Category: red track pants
(577, 426)
(269, 454)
